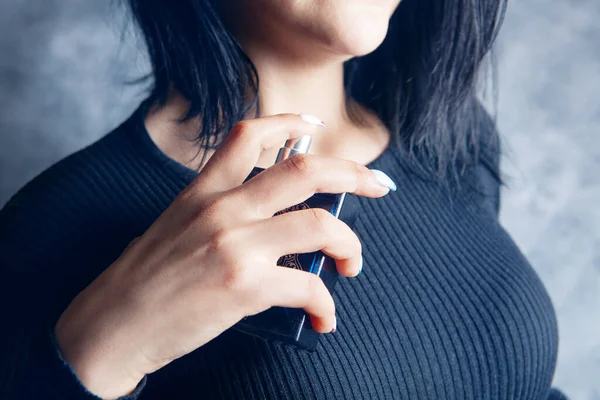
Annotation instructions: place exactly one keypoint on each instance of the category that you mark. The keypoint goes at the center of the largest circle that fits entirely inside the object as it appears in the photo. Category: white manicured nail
(311, 119)
(384, 180)
(362, 262)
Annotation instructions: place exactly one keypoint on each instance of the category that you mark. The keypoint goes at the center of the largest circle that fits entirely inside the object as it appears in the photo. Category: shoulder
(488, 138)
(69, 204)
(487, 173)
(84, 168)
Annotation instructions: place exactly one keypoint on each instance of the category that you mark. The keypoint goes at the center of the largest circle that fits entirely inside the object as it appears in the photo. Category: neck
(292, 88)
(286, 86)
(297, 75)
(299, 87)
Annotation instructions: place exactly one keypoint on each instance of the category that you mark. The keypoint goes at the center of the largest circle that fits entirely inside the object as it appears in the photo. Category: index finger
(235, 158)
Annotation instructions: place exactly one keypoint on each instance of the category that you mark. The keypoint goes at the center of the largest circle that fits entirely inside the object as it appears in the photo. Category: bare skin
(200, 267)
(306, 78)
(340, 138)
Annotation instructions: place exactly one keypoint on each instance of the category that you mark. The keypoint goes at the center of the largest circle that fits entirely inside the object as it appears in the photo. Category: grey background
(63, 64)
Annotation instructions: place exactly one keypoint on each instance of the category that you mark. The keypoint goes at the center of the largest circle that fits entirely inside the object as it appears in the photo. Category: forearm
(32, 367)
(31, 364)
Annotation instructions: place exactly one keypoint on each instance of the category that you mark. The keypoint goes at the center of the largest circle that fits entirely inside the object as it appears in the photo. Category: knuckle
(232, 277)
(241, 130)
(318, 219)
(198, 215)
(313, 286)
(238, 278)
(302, 166)
(186, 196)
(214, 208)
(361, 172)
(222, 243)
(236, 275)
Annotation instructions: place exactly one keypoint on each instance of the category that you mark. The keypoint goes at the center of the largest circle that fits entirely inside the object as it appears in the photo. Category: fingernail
(362, 260)
(334, 324)
(311, 119)
(384, 180)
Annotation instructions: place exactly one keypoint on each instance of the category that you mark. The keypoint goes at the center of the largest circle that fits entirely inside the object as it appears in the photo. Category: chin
(362, 40)
(350, 28)
(359, 29)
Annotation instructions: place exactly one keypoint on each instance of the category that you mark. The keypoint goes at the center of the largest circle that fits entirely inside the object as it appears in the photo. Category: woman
(128, 263)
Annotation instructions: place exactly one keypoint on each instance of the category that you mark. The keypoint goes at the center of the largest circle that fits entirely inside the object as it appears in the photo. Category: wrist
(103, 381)
(97, 367)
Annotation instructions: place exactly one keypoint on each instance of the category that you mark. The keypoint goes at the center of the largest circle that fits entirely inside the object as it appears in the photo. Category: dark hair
(422, 81)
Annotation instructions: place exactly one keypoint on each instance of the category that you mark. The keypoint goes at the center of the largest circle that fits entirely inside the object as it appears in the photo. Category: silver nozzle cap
(294, 146)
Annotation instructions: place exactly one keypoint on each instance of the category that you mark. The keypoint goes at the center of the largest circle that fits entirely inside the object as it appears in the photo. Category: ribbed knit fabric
(446, 307)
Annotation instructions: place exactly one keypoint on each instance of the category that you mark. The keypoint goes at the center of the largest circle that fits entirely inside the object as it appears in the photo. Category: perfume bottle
(291, 325)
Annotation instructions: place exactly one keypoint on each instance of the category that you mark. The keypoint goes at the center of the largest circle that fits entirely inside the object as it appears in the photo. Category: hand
(210, 259)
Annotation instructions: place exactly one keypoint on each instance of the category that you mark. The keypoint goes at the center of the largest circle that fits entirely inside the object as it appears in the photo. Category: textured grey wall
(62, 69)
(550, 117)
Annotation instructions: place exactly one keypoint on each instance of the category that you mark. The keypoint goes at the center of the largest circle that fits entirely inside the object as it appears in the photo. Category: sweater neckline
(156, 155)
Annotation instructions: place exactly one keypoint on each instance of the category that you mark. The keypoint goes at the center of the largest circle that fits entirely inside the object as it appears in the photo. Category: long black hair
(422, 81)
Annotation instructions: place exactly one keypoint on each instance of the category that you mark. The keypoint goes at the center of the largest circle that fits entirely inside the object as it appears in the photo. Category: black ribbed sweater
(446, 307)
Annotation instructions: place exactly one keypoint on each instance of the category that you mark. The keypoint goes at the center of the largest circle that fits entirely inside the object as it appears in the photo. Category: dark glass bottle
(291, 325)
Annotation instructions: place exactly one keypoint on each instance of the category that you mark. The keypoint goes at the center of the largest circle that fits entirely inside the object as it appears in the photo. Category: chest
(446, 307)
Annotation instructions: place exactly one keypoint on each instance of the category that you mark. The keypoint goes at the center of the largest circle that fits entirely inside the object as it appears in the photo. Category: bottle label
(291, 260)
(291, 325)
